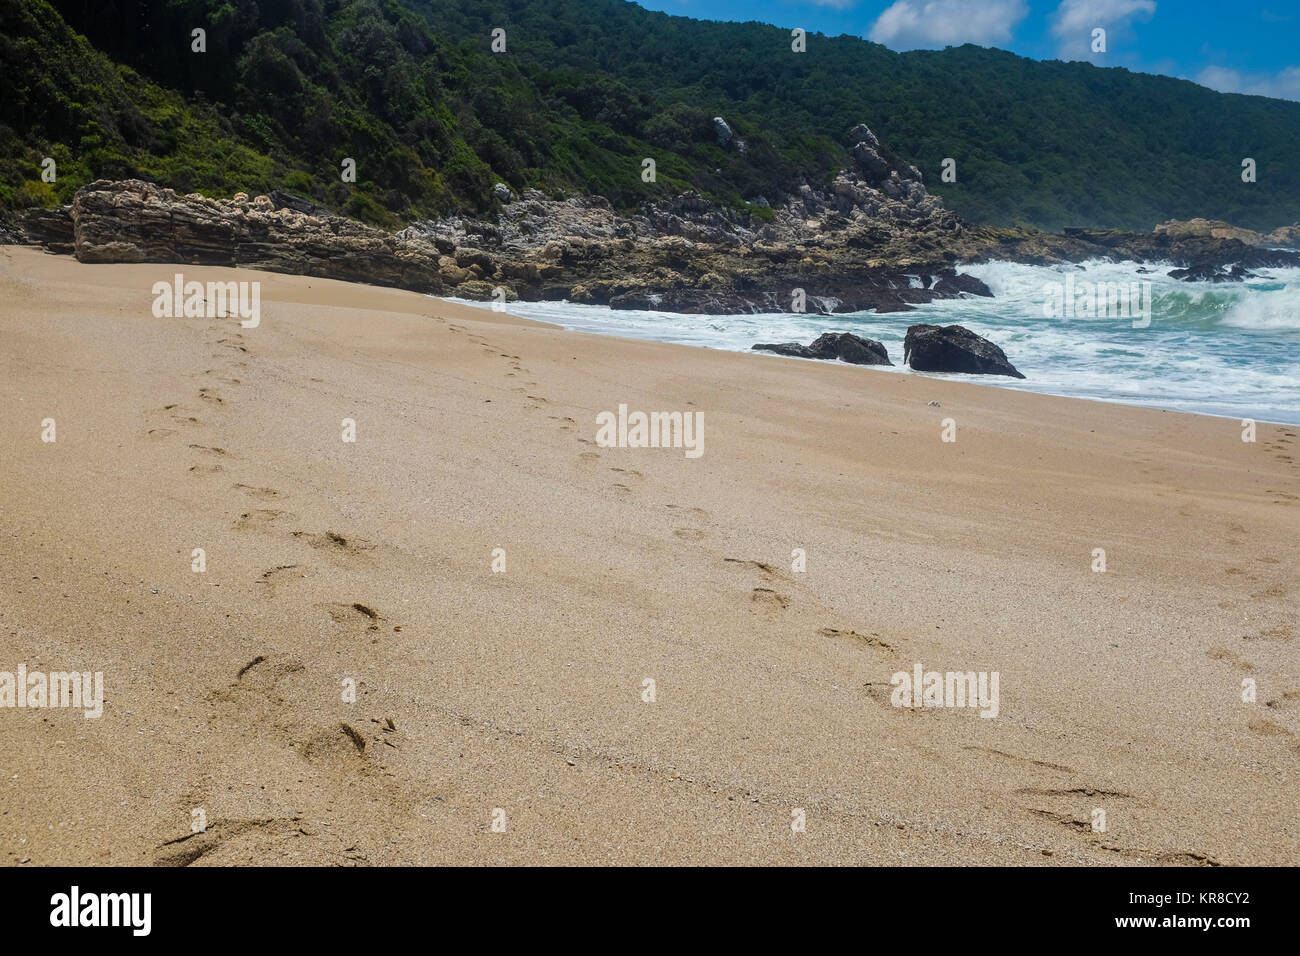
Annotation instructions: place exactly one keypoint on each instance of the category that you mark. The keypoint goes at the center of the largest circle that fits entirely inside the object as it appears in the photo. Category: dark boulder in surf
(952, 348)
(953, 284)
(844, 346)
(1212, 272)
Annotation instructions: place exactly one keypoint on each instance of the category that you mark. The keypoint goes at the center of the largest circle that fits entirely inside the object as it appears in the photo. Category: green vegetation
(585, 90)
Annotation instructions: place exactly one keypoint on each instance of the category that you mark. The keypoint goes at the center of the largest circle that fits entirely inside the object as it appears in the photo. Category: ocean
(1230, 349)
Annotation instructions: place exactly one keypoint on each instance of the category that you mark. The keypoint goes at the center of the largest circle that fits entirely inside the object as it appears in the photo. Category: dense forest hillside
(584, 91)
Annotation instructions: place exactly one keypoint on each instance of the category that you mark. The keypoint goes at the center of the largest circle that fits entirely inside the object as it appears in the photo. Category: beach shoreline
(523, 690)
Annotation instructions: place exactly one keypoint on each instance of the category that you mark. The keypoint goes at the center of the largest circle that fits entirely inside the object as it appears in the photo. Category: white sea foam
(1228, 348)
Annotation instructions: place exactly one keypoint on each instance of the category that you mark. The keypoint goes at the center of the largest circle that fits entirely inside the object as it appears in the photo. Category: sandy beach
(523, 691)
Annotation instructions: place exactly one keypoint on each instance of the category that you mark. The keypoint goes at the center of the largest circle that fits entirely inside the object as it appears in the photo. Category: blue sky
(1236, 46)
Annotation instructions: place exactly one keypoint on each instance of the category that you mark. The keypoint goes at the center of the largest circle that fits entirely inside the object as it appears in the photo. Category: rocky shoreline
(874, 238)
(926, 348)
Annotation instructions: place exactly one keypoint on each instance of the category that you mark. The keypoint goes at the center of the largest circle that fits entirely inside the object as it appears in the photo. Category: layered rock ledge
(873, 238)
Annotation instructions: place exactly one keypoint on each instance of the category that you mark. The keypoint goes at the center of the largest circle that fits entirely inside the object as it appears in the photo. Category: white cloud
(1283, 86)
(1074, 21)
(910, 24)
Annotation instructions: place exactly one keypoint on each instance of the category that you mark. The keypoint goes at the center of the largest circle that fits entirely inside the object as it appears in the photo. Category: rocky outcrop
(954, 348)
(134, 221)
(749, 280)
(51, 228)
(1204, 254)
(1286, 237)
(1211, 272)
(704, 263)
(285, 200)
(722, 131)
(872, 238)
(844, 346)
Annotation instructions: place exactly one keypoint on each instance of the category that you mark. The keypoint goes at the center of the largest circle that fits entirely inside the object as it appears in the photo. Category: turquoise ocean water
(1230, 349)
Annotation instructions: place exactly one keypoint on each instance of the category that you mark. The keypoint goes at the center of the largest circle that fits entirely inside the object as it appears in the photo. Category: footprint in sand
(1229, 658)
(339, 747)
(1284, 701)
(263, 673)
(1064, 819)
(1273, 592)
(1267, 728)
(160, 432)
(273, 578)
(869, 640)
(355, 613)
(621, 488)
(192, 847)
(265, 494)
(879, 691)
(259, 519)
(769, 600)
(588, 458)
(697, 513)
(211, 450)
(1090, 792)
(630, 472)
(205, 469)
(1281, 632)
(331, 542)
(176, 414)
(690, 534)
(767, 569)
(1023, 761)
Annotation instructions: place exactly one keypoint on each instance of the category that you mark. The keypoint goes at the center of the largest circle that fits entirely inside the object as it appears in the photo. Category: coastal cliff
(874, 238)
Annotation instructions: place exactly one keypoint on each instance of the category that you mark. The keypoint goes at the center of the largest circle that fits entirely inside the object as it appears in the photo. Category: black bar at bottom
(939, 905)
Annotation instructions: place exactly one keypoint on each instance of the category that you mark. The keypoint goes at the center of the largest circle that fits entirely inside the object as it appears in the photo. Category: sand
(517, 696)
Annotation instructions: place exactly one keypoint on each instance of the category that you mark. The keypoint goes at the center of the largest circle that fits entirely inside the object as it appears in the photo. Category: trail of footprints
(264, 704)
(259, 702)
(1271, 583)
(1067, 805)
(259, 697)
